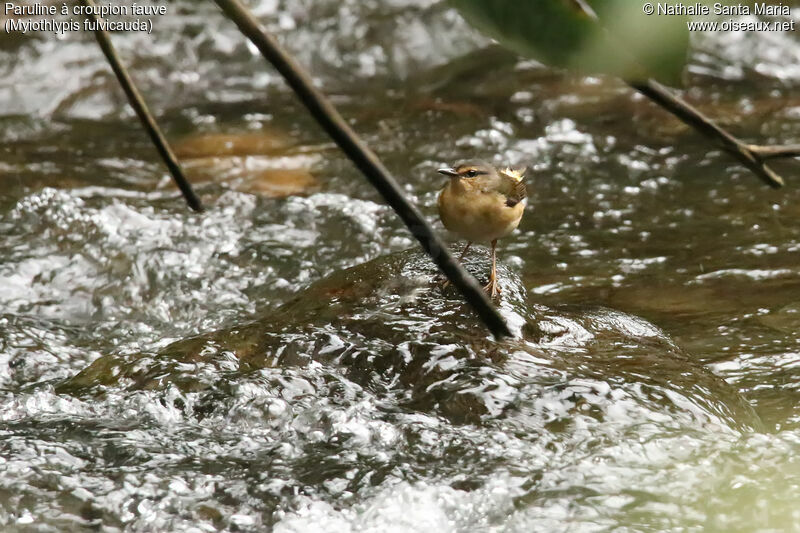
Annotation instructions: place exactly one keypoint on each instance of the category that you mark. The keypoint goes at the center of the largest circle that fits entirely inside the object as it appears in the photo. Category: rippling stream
(289, 361)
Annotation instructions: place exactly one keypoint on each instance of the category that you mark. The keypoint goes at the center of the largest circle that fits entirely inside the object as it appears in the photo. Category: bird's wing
(515, 190)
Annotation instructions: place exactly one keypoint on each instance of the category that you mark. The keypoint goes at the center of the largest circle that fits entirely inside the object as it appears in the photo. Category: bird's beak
(448, 171)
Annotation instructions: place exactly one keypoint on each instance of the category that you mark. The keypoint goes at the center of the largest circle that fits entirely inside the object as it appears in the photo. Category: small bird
(482, 203)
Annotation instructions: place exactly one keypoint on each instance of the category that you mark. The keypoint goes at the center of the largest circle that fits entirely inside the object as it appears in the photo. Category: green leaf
(595, 36)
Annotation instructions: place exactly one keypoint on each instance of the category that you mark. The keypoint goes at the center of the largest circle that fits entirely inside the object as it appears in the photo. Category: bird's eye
(472, 173)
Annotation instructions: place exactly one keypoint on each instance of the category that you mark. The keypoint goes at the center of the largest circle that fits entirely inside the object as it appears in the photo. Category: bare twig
(140, 107)
(775, 152)
(751, 156)
(367, 162)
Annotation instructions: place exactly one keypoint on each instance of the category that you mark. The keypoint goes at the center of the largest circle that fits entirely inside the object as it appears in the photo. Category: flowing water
(281, 362)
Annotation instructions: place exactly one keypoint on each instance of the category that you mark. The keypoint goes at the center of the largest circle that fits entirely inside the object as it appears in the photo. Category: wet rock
(268, 163)
(232, 144)
(785, 319)
(389, 323)
(264, 179)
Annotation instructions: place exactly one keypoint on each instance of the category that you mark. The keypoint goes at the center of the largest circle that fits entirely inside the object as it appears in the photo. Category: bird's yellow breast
(477, 215)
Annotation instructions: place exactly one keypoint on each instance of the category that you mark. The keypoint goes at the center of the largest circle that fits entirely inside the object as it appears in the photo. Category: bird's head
(482, 175)
(473, 170)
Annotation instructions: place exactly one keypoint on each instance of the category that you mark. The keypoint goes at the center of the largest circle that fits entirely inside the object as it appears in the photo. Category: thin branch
(140, 107)
(367, 162)
(775, 152)
(751, 156)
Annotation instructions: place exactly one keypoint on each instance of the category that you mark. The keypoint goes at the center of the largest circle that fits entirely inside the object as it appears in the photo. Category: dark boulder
(389, 323)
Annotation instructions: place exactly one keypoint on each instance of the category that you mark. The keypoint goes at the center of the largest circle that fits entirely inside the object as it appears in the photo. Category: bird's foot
(493, 288)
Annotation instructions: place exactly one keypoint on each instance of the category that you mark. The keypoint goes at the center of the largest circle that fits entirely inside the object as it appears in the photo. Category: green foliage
(622, 40)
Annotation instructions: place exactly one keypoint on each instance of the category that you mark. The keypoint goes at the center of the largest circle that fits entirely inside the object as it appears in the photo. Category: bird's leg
(492, 286)
(464, 253)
